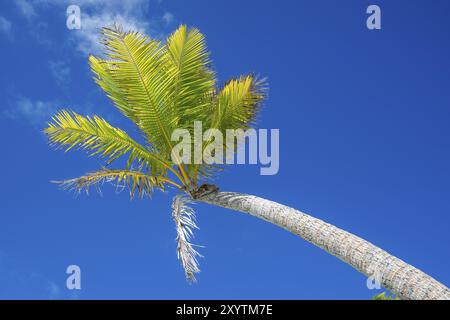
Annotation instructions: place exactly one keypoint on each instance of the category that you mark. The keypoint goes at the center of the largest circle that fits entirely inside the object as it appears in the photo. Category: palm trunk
(406, 281)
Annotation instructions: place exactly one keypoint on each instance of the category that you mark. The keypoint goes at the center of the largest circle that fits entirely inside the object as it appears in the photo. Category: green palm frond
(134, 77)
(238, 103)
(71, 130)
(233, 107)
(193, 80)
(137, 182)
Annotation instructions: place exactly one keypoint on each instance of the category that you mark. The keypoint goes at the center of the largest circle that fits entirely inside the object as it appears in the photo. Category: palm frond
(233, 107)
(134, 77)
(136, 182)
(188, 64)
(71, 130)
(238, 103)
(185, 223)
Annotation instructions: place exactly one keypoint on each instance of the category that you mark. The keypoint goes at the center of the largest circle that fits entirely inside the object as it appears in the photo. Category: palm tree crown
(160, 87)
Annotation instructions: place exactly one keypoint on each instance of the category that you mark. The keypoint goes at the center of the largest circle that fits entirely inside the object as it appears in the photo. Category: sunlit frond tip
(184, 217)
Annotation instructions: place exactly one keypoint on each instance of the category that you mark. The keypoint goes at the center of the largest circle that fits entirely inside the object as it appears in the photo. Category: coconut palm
(161, 87)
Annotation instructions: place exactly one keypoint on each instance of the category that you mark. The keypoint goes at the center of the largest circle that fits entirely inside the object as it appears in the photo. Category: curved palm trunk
(406, 281)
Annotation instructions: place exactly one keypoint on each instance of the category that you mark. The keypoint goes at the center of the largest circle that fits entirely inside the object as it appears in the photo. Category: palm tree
(165, 86)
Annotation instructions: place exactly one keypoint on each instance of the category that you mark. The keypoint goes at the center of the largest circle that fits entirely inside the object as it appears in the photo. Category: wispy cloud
(5, 26)
(168, 18)
(60, 71)
(131, 15)
(95, 14)
(39, 112)
(26, 8)
(23, 283)
(87, 38)
(36, 112)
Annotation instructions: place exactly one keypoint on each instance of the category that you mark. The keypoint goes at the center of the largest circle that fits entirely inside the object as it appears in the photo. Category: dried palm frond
(185, 223)
(136, 182)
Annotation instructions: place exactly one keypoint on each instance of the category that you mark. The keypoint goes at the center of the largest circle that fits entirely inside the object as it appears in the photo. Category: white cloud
(39, 112)
(36, 112)
(95, 14)
(26, 8)
(167, 18)
(87, 38)
(130, 14)
(5, 26)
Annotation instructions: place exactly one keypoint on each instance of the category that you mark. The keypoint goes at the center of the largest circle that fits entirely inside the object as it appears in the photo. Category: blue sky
(363, 118)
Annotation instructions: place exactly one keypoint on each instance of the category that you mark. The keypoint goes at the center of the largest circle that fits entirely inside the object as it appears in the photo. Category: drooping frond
(71, 130)
(134, 77)
(184, 217)
(192, 78)
(135, 181)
